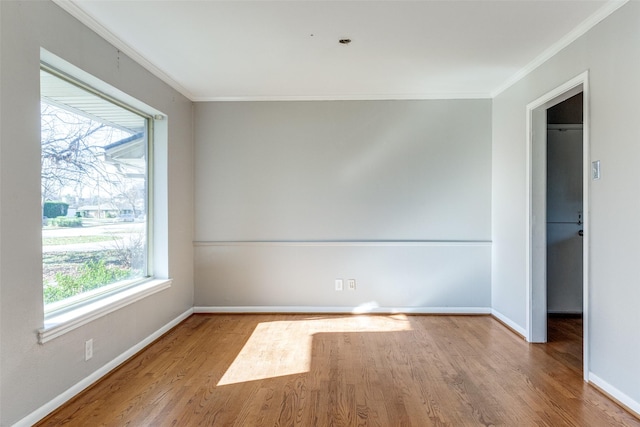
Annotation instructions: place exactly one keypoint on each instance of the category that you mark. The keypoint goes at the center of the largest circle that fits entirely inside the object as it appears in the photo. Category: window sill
(58, 325)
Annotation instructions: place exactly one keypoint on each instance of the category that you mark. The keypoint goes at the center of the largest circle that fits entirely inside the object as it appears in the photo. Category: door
(564, 219)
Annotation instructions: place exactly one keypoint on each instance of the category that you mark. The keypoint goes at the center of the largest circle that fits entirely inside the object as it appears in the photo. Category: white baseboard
(615, 394)
(342, 310)
(71, 392)
(504, 319)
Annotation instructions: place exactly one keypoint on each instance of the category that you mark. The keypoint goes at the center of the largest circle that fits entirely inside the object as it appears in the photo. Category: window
(95, 193)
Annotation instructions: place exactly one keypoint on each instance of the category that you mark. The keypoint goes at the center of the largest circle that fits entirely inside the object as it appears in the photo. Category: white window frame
(77, 311)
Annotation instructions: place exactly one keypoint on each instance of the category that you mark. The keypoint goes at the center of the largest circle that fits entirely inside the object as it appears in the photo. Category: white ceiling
(227, 50)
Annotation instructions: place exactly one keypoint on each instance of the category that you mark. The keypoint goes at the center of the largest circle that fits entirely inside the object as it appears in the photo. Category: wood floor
(333, 370)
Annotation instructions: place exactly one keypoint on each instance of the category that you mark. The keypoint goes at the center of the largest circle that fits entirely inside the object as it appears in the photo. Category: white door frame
(536, 210)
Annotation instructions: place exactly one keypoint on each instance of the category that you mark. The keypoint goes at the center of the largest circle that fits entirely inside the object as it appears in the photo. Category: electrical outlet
(88, 349)
(351, 284)
(339, 285)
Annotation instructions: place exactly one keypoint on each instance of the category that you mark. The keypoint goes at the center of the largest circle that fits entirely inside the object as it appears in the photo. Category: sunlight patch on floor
(270, 352)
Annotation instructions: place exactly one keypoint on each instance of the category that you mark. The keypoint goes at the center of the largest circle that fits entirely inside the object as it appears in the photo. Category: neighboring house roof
(129, 155)
(123, 143)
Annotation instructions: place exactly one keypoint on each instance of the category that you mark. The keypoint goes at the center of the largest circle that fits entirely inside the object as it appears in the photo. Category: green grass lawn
(70, 240)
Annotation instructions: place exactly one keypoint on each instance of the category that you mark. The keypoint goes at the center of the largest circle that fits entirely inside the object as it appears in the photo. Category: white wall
(395, 194)
(610, 52)
(32, 374)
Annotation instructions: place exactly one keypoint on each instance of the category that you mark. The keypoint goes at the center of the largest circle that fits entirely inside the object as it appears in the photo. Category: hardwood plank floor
(334, 370)
(564, 336)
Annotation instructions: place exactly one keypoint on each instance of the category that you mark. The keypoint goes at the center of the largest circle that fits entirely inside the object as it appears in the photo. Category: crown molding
(360, 97)
(599, 15)
(74, 10)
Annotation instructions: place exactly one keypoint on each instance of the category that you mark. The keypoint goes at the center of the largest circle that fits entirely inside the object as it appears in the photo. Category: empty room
(316, 213)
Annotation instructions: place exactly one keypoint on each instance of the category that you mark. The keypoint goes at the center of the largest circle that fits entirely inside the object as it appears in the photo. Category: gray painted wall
(32, 374)
(610, 52)
(335, 175)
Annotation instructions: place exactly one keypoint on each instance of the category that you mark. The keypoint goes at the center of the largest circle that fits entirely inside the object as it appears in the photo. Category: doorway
(549, 226)
(565, 208)
(564, 230)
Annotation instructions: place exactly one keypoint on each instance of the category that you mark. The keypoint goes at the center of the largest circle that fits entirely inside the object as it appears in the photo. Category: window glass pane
(94, 193)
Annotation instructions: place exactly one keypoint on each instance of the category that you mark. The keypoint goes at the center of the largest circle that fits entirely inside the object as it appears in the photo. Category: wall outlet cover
(88, 349)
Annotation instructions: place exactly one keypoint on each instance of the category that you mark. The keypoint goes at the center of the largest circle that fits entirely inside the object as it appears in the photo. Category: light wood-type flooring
(348, 370)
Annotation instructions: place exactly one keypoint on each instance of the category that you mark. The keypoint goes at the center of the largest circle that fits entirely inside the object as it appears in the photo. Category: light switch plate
(595, 170)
